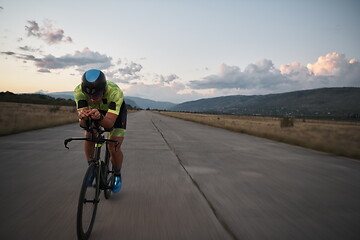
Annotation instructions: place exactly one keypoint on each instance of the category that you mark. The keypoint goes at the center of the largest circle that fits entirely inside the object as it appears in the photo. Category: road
(182, 180)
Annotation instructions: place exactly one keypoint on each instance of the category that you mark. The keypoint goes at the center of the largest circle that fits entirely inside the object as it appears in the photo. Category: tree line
(35, 98)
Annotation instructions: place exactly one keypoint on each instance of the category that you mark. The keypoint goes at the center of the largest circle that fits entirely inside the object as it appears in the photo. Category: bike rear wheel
(88, 201)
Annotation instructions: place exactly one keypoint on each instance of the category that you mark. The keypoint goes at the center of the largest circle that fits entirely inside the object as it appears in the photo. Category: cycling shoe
(117, 183)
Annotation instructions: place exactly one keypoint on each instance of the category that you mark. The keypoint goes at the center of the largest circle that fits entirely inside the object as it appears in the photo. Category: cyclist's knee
(112, 149)
(87, 134)
(111, 146)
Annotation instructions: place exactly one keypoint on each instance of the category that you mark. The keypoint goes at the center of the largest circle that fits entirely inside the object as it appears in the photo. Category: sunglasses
(94, 95)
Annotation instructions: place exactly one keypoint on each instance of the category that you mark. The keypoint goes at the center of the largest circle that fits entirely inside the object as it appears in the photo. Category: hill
(65, 95)
(135, 102)
(70, 95)
(334, 102)
(147, 103)
(62, 99)
(35, 99)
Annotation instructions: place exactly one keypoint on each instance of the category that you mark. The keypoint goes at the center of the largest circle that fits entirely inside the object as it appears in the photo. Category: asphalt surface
(182, 180)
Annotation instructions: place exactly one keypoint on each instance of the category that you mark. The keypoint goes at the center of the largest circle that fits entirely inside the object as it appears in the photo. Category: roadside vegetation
(20, 117)
(34, 99)
(337, 137)
(24, 112)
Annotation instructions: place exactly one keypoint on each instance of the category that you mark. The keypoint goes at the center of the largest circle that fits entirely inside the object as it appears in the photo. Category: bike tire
(108, 174)
(87, 205)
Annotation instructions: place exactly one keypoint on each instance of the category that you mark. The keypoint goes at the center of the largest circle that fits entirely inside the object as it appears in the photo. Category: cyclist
(103, 101)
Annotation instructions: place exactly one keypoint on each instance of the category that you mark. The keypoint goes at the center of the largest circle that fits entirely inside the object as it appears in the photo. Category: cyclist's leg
(116, 155)
(118, 134)
(88, 146)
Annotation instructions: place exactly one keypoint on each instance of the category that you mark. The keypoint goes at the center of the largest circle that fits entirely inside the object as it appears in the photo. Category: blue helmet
(93, 83)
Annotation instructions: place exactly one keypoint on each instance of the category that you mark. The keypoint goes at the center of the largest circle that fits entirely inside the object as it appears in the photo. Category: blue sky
(180, 50)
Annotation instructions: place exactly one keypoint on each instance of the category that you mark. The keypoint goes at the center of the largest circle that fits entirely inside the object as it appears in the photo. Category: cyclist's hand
(84, 114)
(94, 114)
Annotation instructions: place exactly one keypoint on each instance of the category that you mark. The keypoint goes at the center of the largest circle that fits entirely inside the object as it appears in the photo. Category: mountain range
(147, 103)
(135, 102)
(340, 102)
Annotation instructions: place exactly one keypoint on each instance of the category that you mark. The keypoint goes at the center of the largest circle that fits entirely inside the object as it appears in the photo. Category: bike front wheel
(108, 176)
(88, 201)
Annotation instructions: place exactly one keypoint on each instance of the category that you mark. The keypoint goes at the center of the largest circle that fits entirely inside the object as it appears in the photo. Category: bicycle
(103, 179)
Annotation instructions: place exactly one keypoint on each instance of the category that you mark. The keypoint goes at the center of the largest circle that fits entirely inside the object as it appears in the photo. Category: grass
(20, 117)
(337, 137)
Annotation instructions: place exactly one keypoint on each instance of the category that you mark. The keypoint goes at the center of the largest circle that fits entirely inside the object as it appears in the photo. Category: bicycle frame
(98, 138)
(101, 171)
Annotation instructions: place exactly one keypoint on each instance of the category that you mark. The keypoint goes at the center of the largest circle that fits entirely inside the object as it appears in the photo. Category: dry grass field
(20, 117)
(341, 138)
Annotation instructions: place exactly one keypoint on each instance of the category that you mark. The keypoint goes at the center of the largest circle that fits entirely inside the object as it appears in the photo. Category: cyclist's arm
(108, 121)
(117, 98)
(81, 105)
(83, 116)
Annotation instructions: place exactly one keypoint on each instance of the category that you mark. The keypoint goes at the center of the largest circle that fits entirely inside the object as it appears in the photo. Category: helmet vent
(92, 75)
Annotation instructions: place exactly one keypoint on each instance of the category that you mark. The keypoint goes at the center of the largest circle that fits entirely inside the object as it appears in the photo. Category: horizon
(149, 99)
(188, 51)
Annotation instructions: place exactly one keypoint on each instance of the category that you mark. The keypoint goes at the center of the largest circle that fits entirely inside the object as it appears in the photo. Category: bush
(54, 109)
(287, 122)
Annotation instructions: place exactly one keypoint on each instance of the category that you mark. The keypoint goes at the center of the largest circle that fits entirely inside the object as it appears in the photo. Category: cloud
(44, 70)
(26, 57)
(8, 53)
(331, 70)
(292, 68)
(159, 92)
(295, 72)
(29, 49)
(33, 29)
(47, 33)
(130, 69)
(328, 65)
(82, 60)
(259, 75)
(127, 73)
(168, 79)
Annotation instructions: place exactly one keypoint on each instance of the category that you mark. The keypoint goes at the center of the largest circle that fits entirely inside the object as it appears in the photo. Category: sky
(180, 50)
